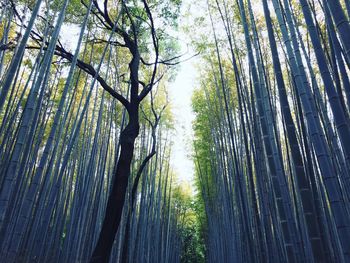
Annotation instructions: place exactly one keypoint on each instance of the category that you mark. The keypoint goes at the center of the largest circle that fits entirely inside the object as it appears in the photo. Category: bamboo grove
(87, 131)
(272, 131)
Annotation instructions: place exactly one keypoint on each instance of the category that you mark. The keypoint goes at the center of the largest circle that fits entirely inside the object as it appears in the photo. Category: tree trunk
(117, 196)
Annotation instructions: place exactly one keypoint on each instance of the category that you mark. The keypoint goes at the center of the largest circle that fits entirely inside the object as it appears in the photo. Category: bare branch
(100, 41)
(169, 62)
(149, 87)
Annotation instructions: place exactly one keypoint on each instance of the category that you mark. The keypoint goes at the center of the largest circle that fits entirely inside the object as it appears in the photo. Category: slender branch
(149, 87)
(100, 41)
(168, 62)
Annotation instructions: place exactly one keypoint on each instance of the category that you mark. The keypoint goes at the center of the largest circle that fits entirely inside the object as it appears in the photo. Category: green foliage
(74, 12)
(189, 213)
(192, 244)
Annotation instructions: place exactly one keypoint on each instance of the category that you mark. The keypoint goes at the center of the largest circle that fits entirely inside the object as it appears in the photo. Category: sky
(180, 92)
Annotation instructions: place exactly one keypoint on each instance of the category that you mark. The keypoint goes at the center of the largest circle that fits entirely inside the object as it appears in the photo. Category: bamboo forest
(174, 131)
